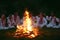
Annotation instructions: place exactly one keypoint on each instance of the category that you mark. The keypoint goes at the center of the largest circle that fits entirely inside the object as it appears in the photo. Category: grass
(47, 34)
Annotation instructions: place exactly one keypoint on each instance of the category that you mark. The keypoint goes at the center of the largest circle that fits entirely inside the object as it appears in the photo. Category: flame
(26, 29)
(28, 21)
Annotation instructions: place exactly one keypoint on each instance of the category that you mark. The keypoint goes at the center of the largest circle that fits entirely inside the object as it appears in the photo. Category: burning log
(26, 29)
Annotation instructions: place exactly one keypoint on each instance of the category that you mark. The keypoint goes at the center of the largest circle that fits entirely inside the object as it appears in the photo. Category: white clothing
(44, 23)
(10, 23)
(48, 18)
(52, 23)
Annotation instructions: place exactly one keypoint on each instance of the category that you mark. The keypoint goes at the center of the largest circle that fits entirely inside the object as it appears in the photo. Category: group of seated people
(49, 21)
(40, 20)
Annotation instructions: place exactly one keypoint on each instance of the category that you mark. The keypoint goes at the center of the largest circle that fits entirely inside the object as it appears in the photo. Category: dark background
(35, 6)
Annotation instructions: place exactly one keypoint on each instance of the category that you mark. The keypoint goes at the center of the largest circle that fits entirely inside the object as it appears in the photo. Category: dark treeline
(35, 6)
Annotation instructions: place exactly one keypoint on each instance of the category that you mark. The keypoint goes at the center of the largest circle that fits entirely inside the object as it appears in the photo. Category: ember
(26, 29)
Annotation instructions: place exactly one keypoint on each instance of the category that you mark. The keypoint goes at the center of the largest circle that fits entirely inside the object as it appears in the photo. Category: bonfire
(26, 29)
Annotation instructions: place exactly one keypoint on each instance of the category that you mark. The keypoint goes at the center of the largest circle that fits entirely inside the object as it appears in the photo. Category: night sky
(35, 6)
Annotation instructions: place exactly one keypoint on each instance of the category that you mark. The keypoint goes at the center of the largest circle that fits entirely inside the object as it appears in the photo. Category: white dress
(57, 26)
(37, 21)
(10, 23)
(44, 23)
(52, 23)
(17, 20)
(48, 18)
(2, 27)
(1, 24)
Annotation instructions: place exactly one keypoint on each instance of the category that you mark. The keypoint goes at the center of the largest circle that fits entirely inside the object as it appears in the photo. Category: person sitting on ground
(53, 21)
(42, 21)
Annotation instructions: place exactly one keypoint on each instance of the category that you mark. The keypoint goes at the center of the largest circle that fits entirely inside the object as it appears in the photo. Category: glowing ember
(26, 29)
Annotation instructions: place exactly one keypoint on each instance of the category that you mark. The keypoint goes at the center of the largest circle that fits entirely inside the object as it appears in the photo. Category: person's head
(30, 14)
(41, 15)
(52, 14)
(15, 13)
(3, 15)
(59, 20)
(44, 14)
(10, 16)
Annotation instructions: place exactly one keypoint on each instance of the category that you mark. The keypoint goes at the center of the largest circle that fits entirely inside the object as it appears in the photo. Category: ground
(47, 34)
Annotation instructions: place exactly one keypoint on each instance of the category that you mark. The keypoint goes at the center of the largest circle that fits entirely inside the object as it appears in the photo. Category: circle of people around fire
(40, 20)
